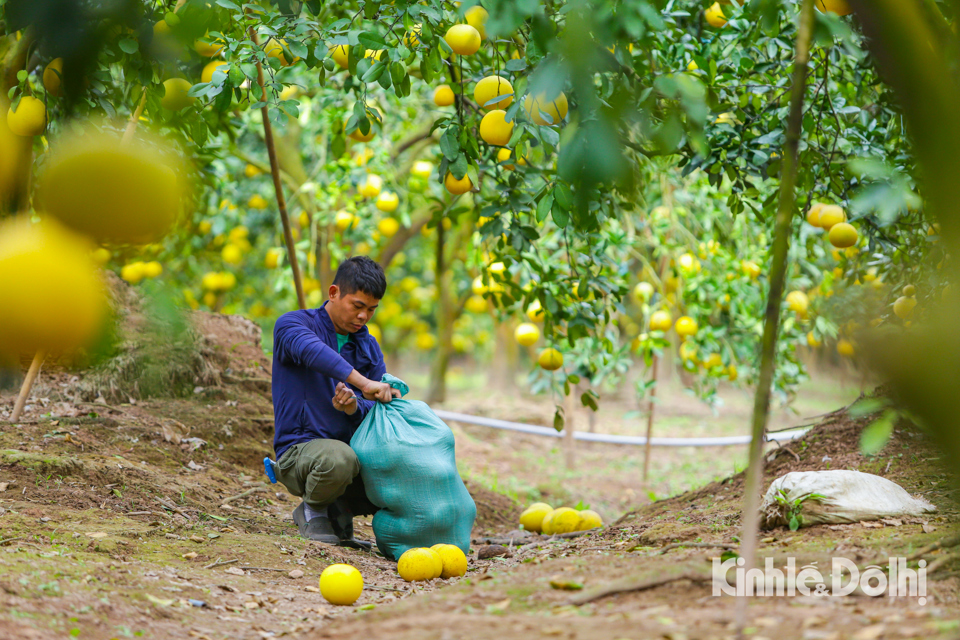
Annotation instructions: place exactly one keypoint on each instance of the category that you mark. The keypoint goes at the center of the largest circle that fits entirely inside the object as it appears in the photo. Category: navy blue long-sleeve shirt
(306, 370)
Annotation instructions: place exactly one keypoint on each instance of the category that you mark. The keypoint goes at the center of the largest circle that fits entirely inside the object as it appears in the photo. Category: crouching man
(326, 377)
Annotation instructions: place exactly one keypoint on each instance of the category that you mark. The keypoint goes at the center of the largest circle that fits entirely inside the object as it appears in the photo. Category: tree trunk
(438, 368)
(778, 271)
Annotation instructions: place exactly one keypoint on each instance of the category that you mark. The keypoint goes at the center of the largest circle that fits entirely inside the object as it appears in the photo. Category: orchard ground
(111, 519)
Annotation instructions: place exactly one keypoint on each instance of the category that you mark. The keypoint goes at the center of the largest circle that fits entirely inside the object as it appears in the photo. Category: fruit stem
(275, 174)
(778, 270)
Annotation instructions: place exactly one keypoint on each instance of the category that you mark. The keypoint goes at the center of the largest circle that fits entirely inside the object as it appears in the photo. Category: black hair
(360, 273)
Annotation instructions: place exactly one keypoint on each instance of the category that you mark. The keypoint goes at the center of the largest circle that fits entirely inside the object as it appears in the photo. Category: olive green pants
(320, 471)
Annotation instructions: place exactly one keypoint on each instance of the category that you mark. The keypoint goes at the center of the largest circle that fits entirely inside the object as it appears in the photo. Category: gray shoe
(342, 520)
(319, 528)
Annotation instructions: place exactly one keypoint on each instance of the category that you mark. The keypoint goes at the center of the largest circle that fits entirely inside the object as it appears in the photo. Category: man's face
(351, 311)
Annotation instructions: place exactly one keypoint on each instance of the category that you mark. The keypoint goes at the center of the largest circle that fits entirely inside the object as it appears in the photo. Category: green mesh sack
(409, 469)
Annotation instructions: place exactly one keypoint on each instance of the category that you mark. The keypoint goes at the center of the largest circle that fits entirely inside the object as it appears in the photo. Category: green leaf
(371, 40)
(129, 45)
(558, 420)
(449, 145)
(544, 207)
(794, 523)
(878, 433)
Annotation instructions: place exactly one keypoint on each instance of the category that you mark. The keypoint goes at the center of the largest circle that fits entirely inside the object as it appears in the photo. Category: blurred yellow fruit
(589, 519)
(152, 269)
(686, 326)
(341, 55)
(126, 193)
(526, 334)
(839, 7)
(831, 214)
(535, 311)
(643, 291)
(388, 202)
(545, 112)
(903, 307)
(206, 48)
(453, 559)
(494, 128)
(388, 227)
(752, 269)
(272, 259)
(550, 359)
(532, 517)
(843, 235)
(476, 304)
(132, 273)
(422, 169)
(692, 66)
(29, 119)
(210, 299)
(426, 341)
(345, 220)
(505, 154)
(688, 264)
(251, 171)
(274, 49)
(813, 216)
(375, 331)
(798, 302)
(909, 290)
(101, 256)
(660, 321)
(207, 74)
(443, 96)
(732, 373)
(257, 201)
(688, 352)
(371, 186)
(52, 297)
(341, 584)
(463, 39)
(565, 520)
(455, 186)
(175, 95)
(546, 527)
(419, 564)
(845, 348)
(53, 77)
(726, 118)
(713, 361)
(812, 340)
(477, 18)
(714, 15)
(359, 136)
(232, 254)
(412, 38)
(490, 88)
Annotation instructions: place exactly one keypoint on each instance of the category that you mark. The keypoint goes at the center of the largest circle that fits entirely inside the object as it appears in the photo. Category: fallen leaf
(213, 535)
(251, 605)
(160, 602)
(872, 525)
(197, 539)
(96, 534)
(193, 465)
(366, 607)
(4, 485)
(227, 587)
(928, 528)
(296, 573)
(893, 522)
(499, 606)
(189, 556)
(235, 571)
(558, 582)
(870, 633)
(312, 589)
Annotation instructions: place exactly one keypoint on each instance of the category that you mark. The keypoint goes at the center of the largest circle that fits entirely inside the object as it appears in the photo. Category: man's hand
(380, 391)
(344, 399)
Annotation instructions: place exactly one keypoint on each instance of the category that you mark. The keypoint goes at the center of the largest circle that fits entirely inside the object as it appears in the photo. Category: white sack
(847, 496)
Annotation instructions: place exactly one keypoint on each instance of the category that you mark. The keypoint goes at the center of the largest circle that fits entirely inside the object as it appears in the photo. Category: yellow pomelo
(845, 348)
(812, 340)
(345, 220)
(53, 76)
(660, 321)
(359, 136)
(387, 202)
(550, 359)
(388, 227)
(341, 55)
(457, 187)
(477, 18)
(732, 373)
(504, 154)
(686, 326)
(692, 66)
(231, 254)
(839, 7)
(527, 334)
(133, 273)
(537, 108)
(830, 215)
(565, 520)
(590, 520)
(371, 186)
(909, 290)
(463, 39)
(643, 291)
(453, 560)
(420, 564)
(257, 201)
(52, 297)
(113, 192)
(251, 171)
(713, 361)
(272, 259)
(422, 169)
(546, 527)
(532, 517)
(175, 95)
(207, 74)
(274, 49)
(341, 584)
(494, 128)
(375, 331)
(152, 269)
(903, 307)
(476, 304)
(843, 235)
(490, 88)
(443, 96)
(798, 302)
(535, 311)
(29, 119)
(206, 47)
(726, 118)
(752, 269)
(714, 16)
(813, 216)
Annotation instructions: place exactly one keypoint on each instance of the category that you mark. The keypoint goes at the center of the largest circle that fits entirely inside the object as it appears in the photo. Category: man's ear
(333, 292)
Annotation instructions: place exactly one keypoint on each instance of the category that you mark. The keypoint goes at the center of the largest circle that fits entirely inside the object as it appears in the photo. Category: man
(321, 359)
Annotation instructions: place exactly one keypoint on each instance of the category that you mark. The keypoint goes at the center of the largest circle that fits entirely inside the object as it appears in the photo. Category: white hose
(614, 439)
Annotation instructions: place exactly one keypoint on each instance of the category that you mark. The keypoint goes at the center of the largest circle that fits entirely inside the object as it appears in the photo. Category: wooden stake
(27, 385)
(277, 187)
(646, 446)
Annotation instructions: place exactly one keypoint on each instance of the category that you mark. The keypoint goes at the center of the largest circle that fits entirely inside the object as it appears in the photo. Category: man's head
(355, 293)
